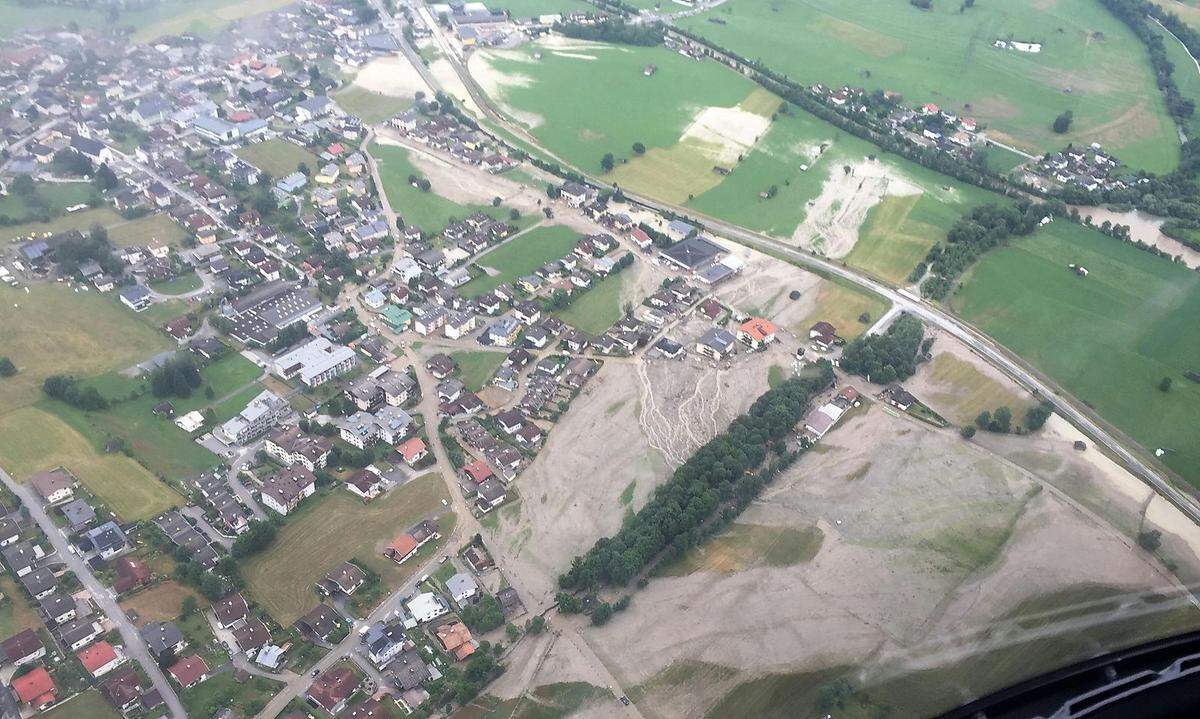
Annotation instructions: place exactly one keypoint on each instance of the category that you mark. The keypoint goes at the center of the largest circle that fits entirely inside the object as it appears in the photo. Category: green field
(90, 704)
(1187, 10)
(144, 230)
(33, 440)
(841, 305)
(428, 210)
(1109, 338)
(336, 527)
(476, 368)
(52, 330)
(204, 17)
(368, 106)
(155, 441)
(223, 691)
(16, 614)
(1186, 75)
(180, 285)
(278, 158)
(534, 8)
(597, 308)
(520, 256)
(56, 197)
(1090, 63)
(617, 106)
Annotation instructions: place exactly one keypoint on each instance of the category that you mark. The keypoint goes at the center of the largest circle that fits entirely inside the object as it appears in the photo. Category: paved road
(135, 648)
(246, 456)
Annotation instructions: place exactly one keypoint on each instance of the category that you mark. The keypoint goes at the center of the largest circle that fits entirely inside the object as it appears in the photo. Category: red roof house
(100, 658)
(189, 671)
(35, 688)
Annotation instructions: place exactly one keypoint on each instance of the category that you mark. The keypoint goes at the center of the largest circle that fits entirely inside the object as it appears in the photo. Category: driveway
(135, 648)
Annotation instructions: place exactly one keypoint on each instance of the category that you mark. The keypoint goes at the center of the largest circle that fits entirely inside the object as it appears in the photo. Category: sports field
(428, 210)
(689, 115)
(278, 158)
(1090, 63)
(520, 256)
(1109, 338)
(333, 528)
(33, 439)
(52, 330)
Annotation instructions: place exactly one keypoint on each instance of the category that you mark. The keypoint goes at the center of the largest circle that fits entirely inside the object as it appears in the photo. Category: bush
(7, 368)
(255, 539)
(967, 432)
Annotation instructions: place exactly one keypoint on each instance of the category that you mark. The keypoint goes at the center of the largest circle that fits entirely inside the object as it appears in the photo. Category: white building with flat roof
(315, 362)
(259, 416)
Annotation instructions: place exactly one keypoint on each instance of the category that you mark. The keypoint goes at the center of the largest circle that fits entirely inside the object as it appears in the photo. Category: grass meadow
(477, 367)
(368, 106)
(428, 210)
(1090, 63)
(278, 158)
(598, 308)
(1109, 338)
(521, 256)
(337, 526)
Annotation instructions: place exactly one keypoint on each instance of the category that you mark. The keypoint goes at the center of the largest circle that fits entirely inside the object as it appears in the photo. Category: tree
(514, 214)
(1062, 123)
(984, 420)
(1150, 540)
(496, 201)
(568, 603)
(7, 368)
(104, 179)
(601, 614)
(967, 432)
(1165, 385)
(607, 162)
(639, 148)
(536, 625)
(1035, 417)
(253, 540)
(1001, 420)
(189, 606)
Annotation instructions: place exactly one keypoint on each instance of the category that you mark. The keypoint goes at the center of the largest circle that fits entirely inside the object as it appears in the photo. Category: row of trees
(887, 357)
(67, 389)
(722, 471)
(614, 30)
(975, 233)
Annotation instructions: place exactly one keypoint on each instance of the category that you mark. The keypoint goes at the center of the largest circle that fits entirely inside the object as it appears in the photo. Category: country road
(135, 648)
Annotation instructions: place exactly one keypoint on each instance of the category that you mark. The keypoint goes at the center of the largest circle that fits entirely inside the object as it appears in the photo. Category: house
(321, 622)
(100, 658)
(9, 532)
(107, 540)
(251, 636)
(346, 578)
(491, 495)
(385, 641)
(408, 670)
(823, 335)
(441, 366)
(402, 548)
(124, 691)
(57, 609)
(78, 633)
(231, 611)
(365, 484)
(54, 486)
(78, 514)
(756, 333)
(575, 194)
(255, 420)
(715, 343)
(463, 589)
(413, 450)
(332, 688)
(426, 607)
(284, 491)
(22, 648)
(163, 639)
(35, 689)
(39, 583)
(898, 397)
(131, 573)
(189, 671)
(20, 557)
(456, 639)
(291, 445)
(135, 297)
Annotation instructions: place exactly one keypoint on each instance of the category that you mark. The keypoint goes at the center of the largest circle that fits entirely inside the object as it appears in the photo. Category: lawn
(428, 210)
(477, 367)
(156, 442)
(81, 220)
(1109, 338)
(589, 99)
(520, 255)
(223, 691)
(180, 285)
(536, 8)
(90, 704)
(1090, 63)
(278, 158)
(52, 330)
(145, 230)
(335, 527)
(15, 613)
(370, 107)
(597, 308)
(841, 305)
(33, 440)
(57, 196)
(160, 603)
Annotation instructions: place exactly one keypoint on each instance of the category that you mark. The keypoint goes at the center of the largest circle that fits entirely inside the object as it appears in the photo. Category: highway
(1066, 406)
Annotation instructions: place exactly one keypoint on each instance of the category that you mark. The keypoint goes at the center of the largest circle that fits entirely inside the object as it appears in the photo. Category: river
(1143, 227)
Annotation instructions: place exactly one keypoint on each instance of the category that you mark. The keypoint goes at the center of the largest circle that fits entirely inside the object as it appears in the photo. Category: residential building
(316, 362)
(259, 416)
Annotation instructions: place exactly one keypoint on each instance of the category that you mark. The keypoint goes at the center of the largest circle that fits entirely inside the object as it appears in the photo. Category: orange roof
(758, 328)
(411, 449)
(96, 656)
(189, 669)
(403, 545)
(456, 638)
(31, 688)
(478, 471)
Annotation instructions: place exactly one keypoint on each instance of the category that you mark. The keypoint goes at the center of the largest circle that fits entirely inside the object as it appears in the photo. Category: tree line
(975, 233)
(888, 357)
(720, 472)
(614, 30)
